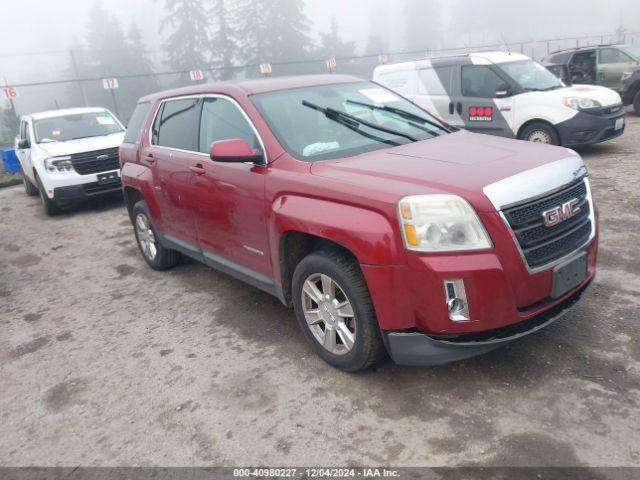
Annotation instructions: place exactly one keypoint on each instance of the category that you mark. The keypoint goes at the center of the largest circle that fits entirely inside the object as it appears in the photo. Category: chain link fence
(78, 90)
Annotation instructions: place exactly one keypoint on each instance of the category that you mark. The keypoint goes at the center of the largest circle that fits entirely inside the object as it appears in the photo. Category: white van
(507, 94)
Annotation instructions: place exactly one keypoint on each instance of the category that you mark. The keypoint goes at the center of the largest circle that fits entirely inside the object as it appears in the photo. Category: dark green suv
(613, 66)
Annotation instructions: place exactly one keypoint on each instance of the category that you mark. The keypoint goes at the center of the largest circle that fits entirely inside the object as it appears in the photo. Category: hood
(461, 163)
(605, 96)
(59, 149)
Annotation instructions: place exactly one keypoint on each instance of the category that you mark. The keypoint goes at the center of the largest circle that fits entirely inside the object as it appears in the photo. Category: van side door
(434, 89)
(477, 102)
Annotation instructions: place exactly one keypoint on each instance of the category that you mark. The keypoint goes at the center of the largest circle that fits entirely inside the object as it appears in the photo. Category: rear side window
(480, 81)
(613, 55)
(222, 120)
(135, 123)
(435, 81)
(178, 125)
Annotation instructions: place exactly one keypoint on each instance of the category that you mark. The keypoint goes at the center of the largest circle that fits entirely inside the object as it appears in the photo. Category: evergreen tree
(187, 45)
(8, 124)
(332, 46)
(423, 20)
(223, 41)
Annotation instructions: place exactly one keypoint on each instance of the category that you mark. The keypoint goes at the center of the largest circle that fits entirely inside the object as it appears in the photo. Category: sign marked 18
(196, 75)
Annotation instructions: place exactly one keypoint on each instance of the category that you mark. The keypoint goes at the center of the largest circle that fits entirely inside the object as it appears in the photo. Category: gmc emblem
(561, 213)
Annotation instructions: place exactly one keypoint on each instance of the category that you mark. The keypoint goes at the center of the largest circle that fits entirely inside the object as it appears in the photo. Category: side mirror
(235, 150)
(23, 144)
(503, 91)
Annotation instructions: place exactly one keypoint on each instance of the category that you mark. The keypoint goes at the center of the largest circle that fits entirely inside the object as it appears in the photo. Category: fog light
(456, 299)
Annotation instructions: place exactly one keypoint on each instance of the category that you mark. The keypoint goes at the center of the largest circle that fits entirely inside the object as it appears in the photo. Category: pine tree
(8, 124)
(332, 46)
(223, 41)
(187, 45)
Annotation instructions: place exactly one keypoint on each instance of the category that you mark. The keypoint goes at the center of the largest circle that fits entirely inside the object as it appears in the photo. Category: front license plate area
(619, 123)
(110, 177)
(569, 275)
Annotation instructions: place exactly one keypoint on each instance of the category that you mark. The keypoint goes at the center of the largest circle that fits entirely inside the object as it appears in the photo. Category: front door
(612, 63)
(171, 154)
(230, 208)
(24, 154)
(477, 104)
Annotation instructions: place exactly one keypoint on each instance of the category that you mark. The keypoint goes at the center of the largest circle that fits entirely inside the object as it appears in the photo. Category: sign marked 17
(10, 92)
(110, 83)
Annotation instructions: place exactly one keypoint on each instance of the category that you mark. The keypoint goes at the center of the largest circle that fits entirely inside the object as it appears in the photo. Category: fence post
(74, 65)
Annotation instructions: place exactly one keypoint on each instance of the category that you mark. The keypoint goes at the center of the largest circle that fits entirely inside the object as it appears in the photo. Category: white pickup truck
(69, 155)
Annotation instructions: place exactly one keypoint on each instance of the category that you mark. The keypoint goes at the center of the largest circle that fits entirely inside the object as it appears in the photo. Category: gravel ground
(106, 362)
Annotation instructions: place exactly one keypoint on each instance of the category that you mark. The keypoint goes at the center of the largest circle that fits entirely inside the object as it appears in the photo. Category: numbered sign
(196, 75)
(330, 63)
(265, 68)
(110, 83)
(383, 58)
(10, 92)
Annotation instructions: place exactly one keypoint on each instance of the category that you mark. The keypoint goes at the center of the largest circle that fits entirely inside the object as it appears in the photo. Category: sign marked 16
(10, 92)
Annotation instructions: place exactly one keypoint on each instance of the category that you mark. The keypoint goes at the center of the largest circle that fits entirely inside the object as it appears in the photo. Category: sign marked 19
(110, 83)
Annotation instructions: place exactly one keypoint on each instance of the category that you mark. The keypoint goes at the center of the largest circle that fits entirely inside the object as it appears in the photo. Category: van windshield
(73, 127)
(340, 120)
(531, 76)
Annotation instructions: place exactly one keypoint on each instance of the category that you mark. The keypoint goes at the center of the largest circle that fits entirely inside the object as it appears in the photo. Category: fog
(36, 38)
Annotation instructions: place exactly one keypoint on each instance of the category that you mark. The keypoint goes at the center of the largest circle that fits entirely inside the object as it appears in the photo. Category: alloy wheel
(329, 313)
(146, 238)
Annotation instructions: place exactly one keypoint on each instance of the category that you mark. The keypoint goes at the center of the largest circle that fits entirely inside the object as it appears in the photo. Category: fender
(365, 233)
(140, 178)
(551, 115)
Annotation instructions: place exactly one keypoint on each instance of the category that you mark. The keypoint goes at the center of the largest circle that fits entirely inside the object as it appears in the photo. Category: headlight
(626, 75)
(58, 164)
(440, 223)
(580, 103)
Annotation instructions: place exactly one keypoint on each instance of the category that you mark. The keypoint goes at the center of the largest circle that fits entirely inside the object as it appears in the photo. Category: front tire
(29, 188)
(148, 240)
(50, 208)
(540, 132)
(334, 310)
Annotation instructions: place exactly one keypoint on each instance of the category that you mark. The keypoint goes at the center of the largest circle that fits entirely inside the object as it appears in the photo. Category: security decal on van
(480, 114)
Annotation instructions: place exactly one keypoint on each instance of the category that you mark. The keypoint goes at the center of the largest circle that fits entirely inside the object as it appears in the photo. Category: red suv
(384, 228)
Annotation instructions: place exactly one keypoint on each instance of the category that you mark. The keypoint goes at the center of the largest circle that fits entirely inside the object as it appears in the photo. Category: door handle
(459, 108)
(198, 169)
(451, 108)
(149, 158)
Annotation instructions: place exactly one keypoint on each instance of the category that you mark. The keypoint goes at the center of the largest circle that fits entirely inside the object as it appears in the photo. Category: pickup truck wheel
(636, 103)
(29, 188)
(540, 132)
(156, 256)
(334, 310)
(50, 208)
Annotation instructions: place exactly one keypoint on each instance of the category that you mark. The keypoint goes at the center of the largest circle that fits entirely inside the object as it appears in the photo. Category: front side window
(73, 127)
(340, 120)
(480, 81)
(633, 52)
(613, 55)
(222, 120)
(531, 76)
(176, 125)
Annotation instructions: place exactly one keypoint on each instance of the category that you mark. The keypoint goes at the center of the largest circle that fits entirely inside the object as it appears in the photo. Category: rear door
(476, 101)
(171, 155)
(612, 63)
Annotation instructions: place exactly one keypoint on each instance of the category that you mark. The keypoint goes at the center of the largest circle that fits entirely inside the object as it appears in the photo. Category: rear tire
(540, 132)
(636, 103)
(148, 240)
(341, 325)
(29, 188)
(50, 208)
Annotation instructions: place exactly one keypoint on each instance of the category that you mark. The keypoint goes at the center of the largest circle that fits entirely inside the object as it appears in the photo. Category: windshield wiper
(406, 115)
(343, 117)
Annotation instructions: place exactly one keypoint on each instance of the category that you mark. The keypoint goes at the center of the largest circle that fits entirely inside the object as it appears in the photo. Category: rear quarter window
(135, 122)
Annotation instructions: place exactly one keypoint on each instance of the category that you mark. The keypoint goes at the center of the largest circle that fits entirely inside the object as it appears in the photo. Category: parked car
(383, 227)
(613, 66)
(70, 155)
(507, 94)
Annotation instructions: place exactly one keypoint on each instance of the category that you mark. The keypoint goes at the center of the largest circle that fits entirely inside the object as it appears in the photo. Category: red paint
(352, 202)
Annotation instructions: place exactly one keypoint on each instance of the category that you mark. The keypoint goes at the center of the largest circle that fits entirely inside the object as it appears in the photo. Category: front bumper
(419, 349)
(587, 128)
(77, 193)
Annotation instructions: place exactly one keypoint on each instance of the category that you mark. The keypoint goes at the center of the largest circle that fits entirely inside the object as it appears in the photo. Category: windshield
(340, 120)
(72, 127)
(633, 51)
(531, 75)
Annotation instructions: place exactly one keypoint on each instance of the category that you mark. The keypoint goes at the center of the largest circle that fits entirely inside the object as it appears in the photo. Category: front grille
(542, 245)
(96, 187)
(87, 162)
